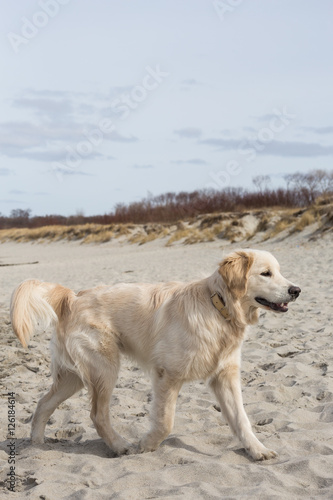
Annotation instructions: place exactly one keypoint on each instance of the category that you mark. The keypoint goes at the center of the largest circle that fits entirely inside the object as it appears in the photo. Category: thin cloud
(17, 191)
(21, 135)
(5, 171)
(48, 93)
(319, 130)
(47, 155)
(45, 106)
(69, 171)
(194, 161)
(143, 166)
(250, 129)
(10, 200)
(86, 109)
(222, 143)
(300, 149)
(265, 118)
(189, 132)
(117, 137)
(59, 124)
(46, 142)
(189, 84)
(273, 148)
(226, 131)
(117, 91)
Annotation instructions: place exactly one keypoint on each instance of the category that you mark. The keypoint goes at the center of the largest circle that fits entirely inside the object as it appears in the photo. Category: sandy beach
(287, 383)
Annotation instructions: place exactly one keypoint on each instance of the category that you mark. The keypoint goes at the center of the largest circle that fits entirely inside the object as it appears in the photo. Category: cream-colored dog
(177, 331)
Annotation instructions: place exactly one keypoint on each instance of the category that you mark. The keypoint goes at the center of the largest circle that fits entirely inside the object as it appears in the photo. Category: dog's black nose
(294, 291)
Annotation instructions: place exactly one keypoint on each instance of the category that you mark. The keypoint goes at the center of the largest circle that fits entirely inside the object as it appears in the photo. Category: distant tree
(19, 213)
(312, 184)
(19, 217)
(261, 182)
(324, 181)
(293, 180)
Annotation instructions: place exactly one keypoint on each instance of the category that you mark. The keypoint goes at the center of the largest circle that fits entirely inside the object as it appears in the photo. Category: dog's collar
(218, 302)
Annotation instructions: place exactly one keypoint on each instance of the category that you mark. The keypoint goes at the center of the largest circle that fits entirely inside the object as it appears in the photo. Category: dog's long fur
(172, 329)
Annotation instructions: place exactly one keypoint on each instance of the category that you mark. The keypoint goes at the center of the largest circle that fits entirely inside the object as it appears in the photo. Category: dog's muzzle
(293, 291)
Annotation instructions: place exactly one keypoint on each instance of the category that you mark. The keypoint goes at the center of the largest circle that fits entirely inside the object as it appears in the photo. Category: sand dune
(255, 225)
(286, 372)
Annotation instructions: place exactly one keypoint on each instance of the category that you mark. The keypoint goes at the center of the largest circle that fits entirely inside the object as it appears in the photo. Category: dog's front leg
(227, 388)
(165, 392)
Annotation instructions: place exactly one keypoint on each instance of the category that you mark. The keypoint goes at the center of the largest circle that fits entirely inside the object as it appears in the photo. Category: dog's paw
(34, 440)
(145, 449)
(262, 454)
(133, 450)
(122, 447)
(147, 445)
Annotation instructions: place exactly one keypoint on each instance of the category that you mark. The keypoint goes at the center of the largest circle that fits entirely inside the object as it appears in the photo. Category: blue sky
(105, 102)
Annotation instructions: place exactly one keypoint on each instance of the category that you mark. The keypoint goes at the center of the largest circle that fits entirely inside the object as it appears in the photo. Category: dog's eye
(268, 274)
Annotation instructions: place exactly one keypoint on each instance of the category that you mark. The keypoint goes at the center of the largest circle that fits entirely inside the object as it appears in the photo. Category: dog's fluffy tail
(36, 303)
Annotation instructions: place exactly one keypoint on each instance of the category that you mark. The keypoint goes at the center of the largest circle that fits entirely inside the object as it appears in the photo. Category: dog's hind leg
(66, 383)
(166, 391)
(101, 378)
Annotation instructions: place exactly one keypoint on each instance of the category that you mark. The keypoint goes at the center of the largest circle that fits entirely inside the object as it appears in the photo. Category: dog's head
(254, 275)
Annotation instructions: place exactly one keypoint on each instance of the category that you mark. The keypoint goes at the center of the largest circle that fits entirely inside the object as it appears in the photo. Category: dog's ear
(234, 270)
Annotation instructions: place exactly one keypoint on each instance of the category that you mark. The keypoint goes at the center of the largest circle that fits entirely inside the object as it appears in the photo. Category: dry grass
(137, 237)
(210, 221)
(234, 226)
(237, 230)
(89, 233)
(326, 220)
(216, 230)
(198, 236)
(142, 238)
(101, 237)
(149, 237)
(230, 231)
(123, 230)
(280, 226)
(149, 234)
(179, 234)
(306, 219)
(192, 235)
(263, 224)
(284, 219)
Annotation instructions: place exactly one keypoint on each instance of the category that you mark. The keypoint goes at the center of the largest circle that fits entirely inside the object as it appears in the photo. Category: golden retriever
(178, 332)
